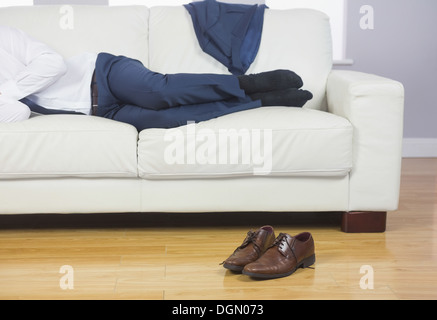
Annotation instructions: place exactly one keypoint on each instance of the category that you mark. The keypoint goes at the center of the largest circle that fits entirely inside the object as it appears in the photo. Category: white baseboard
(420, 148)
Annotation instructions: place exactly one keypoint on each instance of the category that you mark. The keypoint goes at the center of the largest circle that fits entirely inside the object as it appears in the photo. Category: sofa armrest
(375, 107)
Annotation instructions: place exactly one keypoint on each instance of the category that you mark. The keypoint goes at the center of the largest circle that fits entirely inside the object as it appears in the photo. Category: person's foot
(290, 97)
(270, 81)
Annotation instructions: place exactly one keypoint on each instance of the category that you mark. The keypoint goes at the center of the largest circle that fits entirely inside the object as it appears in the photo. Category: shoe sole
(308, 262)
(233, 268)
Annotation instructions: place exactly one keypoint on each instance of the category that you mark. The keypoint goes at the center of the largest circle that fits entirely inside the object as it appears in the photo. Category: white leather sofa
(340, 153)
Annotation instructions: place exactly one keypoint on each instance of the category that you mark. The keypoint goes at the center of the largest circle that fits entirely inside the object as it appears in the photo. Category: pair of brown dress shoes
(264, 256)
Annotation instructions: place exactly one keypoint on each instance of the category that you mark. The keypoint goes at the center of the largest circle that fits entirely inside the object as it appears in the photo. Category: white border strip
(420, 148)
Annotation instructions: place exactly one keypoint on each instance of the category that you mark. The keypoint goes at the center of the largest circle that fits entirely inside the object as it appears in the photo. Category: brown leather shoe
(284, 257)
(253, 247)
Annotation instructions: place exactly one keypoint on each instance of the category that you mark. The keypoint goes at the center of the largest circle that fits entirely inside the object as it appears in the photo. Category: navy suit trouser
(131, 93)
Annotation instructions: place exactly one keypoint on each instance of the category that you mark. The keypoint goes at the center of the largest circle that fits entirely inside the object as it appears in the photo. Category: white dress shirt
(29, 68)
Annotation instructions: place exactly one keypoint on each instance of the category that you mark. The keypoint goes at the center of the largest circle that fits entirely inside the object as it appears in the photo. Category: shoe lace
(250, 237)
(280, 241)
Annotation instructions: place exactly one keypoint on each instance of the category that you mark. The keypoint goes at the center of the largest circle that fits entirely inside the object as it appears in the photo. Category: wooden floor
(169, 256)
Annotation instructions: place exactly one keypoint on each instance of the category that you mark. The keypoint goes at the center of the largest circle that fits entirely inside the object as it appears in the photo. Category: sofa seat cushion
(275, 141)
(67, 146)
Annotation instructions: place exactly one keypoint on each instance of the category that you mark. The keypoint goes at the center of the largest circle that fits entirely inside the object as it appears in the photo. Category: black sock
(291, 97)
(270, 81)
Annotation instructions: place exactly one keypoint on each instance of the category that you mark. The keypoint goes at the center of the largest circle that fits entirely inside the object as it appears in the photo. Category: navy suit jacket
(231, 33)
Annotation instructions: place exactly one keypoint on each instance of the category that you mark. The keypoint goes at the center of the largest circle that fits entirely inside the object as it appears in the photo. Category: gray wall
(402, 46)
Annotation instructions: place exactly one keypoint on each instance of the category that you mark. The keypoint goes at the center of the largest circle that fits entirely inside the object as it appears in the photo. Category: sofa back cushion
(163, 38)
(299, 40)
(71, 30)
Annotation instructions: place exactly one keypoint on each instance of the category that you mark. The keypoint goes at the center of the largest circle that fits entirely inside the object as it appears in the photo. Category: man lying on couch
(35, 78)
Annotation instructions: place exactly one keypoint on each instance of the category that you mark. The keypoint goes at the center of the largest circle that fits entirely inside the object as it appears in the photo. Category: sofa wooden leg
(364, 222)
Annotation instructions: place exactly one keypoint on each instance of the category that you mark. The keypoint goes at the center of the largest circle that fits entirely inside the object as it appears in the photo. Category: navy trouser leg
(134, 84)
(131, 93)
